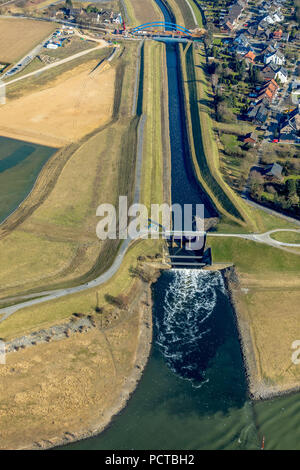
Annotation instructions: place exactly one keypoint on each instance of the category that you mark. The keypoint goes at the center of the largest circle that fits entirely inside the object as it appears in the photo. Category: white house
(276, 58)
(281, 75)
(52, 46)
(274, 18)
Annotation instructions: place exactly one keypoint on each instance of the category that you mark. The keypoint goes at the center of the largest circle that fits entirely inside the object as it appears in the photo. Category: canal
(193, 394)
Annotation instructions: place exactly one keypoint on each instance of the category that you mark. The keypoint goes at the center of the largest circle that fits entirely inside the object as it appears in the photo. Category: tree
(69, 4)
(256, 184)
(291, 187)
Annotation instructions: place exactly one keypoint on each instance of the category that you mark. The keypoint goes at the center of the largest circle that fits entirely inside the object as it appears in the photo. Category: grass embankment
(65, 221)
(154, 72)
(286, 237)
(203, 146)
(95, 171)
(129, 12)
(145, 11)
(197, 12)
(182, 13)
(176, 11)
(20, 36)
(267, 302)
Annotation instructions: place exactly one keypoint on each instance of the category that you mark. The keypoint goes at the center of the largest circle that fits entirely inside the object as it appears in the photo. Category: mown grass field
(67, 217)
(255, 258)
(203, 146)
(152, 180)
(97, 171)
(286, 237)
(267, 306)
(144, 11)
(19, 36)
(49, 313)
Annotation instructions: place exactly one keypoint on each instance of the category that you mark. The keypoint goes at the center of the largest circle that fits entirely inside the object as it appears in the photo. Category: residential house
(250, 138)
(250, 57)
(295, 96)
(276, 58)
(290, 128)
(258, 111)
(268, 72)
(273, 171)
(281, 75)
(241, 40)
(277, 34)
(229, 21)
(268, 90)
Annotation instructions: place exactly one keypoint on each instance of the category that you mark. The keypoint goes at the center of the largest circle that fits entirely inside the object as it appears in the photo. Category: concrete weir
(187, 250)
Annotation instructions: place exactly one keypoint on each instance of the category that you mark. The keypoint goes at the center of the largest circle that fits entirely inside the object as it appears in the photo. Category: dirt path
(55, 64)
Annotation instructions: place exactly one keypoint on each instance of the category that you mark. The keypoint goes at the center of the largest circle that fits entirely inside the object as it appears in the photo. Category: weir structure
(188, 250)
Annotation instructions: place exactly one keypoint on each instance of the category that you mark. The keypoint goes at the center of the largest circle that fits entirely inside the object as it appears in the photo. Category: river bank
(86, 408)
(258, 386)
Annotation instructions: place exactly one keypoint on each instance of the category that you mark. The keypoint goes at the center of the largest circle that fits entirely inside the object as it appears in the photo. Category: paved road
(55, 64)
(22, 63)
(270, 211)
(262, 238)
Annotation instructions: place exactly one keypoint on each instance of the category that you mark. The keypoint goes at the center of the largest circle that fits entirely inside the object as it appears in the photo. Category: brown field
(90, 172)
(73, 385)
(18, 36)
(146, 11)
(71, 107)
(274, 321)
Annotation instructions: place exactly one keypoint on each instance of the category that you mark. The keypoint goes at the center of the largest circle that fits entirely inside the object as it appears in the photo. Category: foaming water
(182, 331)
(193, 394)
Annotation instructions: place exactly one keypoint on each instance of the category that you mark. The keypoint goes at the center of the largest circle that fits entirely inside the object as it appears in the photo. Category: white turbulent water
(189, 302)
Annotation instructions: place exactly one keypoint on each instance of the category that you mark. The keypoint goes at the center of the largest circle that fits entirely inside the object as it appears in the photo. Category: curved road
(56, 294)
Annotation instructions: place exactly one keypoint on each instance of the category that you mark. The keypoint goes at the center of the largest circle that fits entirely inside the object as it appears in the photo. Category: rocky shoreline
(258, 390)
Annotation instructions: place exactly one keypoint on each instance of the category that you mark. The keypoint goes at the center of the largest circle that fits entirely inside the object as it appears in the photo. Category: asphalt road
(55, 64)
(56, 294)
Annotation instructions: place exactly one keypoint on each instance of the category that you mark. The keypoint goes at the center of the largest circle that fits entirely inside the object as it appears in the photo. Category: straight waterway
(193, 394)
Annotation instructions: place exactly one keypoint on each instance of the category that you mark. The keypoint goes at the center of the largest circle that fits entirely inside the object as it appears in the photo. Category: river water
(20, 165)
(193, 394)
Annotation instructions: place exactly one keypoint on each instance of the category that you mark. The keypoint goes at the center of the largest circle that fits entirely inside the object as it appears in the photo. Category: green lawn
(287, 237)
(197, 12)
(254, 258)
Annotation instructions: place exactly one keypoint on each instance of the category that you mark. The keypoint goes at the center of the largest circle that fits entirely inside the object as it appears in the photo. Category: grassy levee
(287, 237)
(175, 11)
(130, 13)
(266, 300)
(203, 147)
(145, 11)
(123, 283)
(197, 12)
(152, 179)
(61, 211)
(40, 81)
(183, 13)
